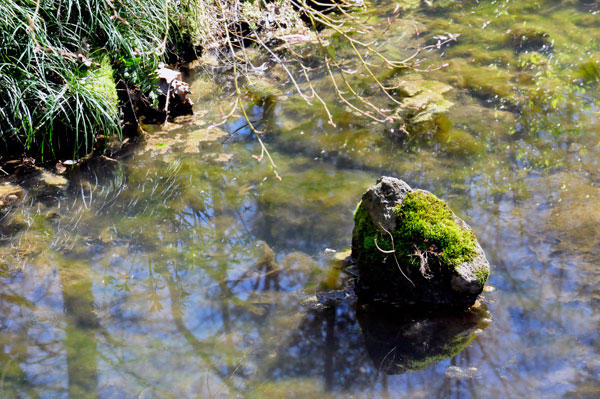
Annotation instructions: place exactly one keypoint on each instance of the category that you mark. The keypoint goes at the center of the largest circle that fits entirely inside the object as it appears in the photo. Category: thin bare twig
(393, 251)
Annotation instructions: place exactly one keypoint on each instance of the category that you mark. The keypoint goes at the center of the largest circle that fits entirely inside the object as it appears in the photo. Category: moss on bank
(102, 82)
(425, 225)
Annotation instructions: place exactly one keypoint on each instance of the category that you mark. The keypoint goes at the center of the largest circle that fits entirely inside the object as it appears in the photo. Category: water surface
(189, 271)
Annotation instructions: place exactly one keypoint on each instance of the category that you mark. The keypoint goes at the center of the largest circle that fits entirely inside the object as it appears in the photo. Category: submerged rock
(459, 142)
(40, 182)
(412, 249)
(185, 138)
(422, 98)
(524, 39)
(10, 194)
(486, 83)
(48, 183)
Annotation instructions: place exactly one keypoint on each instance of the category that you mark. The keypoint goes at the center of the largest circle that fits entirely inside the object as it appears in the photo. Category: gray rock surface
(382, 198)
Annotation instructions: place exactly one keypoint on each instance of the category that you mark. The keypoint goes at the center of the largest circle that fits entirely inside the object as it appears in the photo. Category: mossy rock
(485, 83)
(589, 71)
(263, 87)
(412, 249)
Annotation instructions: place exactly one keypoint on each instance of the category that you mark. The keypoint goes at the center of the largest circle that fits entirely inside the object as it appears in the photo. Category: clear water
(180, 271)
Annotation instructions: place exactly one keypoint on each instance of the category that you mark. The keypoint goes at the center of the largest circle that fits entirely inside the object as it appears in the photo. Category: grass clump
(60, 62)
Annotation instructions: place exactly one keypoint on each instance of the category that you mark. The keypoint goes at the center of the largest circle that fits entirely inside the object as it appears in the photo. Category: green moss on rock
(482, 275)
(428, 223)
(425, 222)
(364, 227)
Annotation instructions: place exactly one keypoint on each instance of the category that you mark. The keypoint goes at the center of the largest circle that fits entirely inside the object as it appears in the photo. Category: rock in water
(9, 195)
(412, 249)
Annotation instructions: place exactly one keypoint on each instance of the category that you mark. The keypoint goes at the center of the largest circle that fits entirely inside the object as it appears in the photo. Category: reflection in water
(179, 294)
(175, 275)
(349, 344)
(399, 340)
(80, 330)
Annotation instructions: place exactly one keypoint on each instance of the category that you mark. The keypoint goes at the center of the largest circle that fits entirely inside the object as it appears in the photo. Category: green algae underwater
(185, 269)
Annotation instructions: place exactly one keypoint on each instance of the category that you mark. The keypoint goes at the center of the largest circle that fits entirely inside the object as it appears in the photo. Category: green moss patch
(425, 223)
(482, 275)
(429, 223)
(366, 232)
(101, 82)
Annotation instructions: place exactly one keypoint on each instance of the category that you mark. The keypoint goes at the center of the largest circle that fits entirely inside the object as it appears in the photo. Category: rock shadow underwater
(349, 342)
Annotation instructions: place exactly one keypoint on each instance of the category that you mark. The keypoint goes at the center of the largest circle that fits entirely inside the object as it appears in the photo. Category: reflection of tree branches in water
(202, 349)
(92, 193)
(534, 328)
(12, 376)
(236, 286)
(40, 345)
(587, 380)
(331, 348)
(27, 339)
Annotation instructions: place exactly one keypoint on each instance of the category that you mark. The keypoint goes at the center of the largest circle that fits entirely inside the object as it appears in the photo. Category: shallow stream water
(185, 269)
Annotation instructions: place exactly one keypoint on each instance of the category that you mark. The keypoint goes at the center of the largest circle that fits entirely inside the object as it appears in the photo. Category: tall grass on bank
(58, 64)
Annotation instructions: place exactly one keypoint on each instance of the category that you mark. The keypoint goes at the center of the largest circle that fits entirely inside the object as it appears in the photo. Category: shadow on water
(399, 340)
(350, 344)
